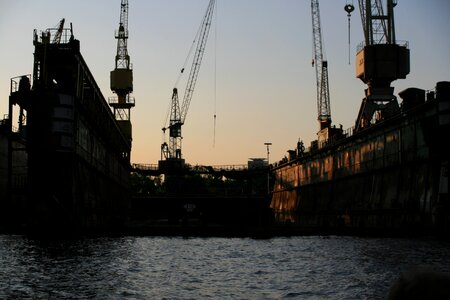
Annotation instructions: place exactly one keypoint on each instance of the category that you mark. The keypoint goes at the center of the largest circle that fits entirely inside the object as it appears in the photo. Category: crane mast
(379, 61)
(171, 156)
(323, 91)
(121, 78)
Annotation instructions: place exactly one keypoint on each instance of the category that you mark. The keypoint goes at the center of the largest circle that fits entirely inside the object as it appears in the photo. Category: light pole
(268, 167)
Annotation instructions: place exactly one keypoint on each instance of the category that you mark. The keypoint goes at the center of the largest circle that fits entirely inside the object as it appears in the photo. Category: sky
(256, 74)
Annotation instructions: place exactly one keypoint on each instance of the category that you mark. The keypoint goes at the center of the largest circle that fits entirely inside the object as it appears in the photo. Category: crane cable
(188, 56)
(215, 77)
(349, 9)
(179, 76)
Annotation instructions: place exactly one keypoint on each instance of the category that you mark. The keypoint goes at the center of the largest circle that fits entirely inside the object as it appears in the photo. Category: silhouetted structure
(389, 172)
(74, 157)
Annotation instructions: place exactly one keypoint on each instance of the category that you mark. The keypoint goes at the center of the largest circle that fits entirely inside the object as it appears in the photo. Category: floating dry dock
(76, 158)
(392, 175)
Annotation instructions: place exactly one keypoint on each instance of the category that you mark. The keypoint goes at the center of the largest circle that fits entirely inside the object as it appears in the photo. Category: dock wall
(393, 175)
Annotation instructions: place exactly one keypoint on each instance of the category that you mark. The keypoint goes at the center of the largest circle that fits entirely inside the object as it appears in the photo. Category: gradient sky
(256, 74)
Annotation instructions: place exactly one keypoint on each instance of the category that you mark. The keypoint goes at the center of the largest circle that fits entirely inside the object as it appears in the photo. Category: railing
(228, 167)
(50, 33)
(145, 167)
(196, 168)
(115, 100)
(362, 44)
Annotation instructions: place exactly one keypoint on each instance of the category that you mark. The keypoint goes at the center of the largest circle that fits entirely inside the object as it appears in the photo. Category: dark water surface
(312, 267)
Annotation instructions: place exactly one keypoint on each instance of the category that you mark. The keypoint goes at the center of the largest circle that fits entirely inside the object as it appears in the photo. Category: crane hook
(349, 8)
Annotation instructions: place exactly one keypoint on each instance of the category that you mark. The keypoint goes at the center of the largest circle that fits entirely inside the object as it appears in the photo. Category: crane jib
(178, 113)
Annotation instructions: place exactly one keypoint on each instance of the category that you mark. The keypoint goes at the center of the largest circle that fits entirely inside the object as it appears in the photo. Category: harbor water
(306, 267)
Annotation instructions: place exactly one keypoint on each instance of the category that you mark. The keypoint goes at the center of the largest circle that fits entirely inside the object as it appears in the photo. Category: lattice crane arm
(57, 38)
(195, 68)
(122, 57)
(178, 113)
(323, 92)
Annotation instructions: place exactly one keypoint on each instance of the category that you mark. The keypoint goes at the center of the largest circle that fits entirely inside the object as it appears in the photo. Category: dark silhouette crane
(122, 76)
(379, 62)
(171, 156)
(323, 90)
(57, 38)
(326, 131)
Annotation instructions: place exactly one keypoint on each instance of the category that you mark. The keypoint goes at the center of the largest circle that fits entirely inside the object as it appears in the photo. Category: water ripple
(210, 268)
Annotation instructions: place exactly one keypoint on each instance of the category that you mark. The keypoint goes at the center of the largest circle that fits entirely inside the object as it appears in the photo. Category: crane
(323, 90)
(121, 78)
(379, 61)
(57, 38)
(171, 153)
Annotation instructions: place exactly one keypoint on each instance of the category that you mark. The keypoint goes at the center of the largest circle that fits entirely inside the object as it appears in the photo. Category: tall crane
(323, 90)
(379, 61)
(171, 156)
(121, 78)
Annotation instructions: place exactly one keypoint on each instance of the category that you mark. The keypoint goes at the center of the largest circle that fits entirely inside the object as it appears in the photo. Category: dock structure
(68, 155)
(65, 155)
(390, 171)
(391, 176)
(75, 158)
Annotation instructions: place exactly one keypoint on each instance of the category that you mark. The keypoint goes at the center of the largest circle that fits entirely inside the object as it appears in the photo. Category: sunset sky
(256, 74)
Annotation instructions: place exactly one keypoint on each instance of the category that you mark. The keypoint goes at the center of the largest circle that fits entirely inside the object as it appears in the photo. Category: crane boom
(202, 38)
(172, 151)
(57, 38)
(323, 90)
(122, 57)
